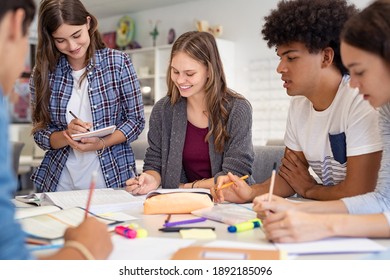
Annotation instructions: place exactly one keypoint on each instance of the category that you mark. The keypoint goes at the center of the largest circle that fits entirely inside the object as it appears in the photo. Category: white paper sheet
(150, 248)
(332, 246)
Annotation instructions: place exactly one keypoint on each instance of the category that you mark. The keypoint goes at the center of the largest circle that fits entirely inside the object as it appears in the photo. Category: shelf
(151, 66)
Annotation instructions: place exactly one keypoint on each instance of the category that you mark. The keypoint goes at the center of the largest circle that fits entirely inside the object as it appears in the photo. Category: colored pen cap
(257, 222)
(133, 226)
(142, 233)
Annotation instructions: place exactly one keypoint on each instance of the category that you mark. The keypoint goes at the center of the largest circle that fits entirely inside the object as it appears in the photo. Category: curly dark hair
(315, 23)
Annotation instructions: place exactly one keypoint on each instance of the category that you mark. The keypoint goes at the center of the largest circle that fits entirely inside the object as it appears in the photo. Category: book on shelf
(103, 200)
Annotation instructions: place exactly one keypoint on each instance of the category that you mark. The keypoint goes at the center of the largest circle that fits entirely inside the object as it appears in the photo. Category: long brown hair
(370, 30)
(52, 14)
(202, 47)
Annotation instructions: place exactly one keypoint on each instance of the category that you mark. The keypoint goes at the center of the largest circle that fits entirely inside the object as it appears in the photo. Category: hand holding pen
(232, 188)
(141, 184)
(77, 125)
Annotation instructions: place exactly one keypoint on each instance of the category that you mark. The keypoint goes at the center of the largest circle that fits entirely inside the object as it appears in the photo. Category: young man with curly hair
(330, 128)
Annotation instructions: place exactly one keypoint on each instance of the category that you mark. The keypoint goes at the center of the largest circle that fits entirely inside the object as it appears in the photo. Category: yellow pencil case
(177, 202)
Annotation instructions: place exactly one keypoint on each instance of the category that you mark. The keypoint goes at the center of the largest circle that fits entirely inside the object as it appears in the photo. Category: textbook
(228, 213)
(95, 133)
(103, 200)
(52, 222)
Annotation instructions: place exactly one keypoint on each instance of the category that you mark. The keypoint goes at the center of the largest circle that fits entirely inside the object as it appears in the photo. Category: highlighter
(126, 232)
(251, 224)
(141, 233)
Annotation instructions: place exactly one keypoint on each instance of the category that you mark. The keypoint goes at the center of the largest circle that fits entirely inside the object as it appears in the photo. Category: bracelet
(104, 146)
(196, 181)
(193, 183)
(79, 247)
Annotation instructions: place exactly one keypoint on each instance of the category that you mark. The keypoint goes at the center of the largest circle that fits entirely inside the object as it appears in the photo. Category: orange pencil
(231, 183)
(91, 189)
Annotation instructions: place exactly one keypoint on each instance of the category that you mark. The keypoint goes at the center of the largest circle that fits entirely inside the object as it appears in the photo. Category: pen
(91, 189)
(271, 187)
(178, 229)
(231, 183)
(74, 116)
(184, 222)
(168, 219)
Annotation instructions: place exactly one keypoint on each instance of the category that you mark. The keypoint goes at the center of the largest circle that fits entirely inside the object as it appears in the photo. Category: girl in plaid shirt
(75, 72)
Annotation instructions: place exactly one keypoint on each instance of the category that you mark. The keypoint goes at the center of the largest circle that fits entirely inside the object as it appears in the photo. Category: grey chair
(16, 152)
(139, 148)
(265, 156)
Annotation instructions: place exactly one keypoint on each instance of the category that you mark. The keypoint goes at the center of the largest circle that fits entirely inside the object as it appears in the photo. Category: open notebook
(103, 200)
(50, 222)
(228, 213)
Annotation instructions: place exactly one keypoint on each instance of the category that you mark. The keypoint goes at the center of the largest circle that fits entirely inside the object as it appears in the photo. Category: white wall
(241, 22)
(255, 75)
(255, 63)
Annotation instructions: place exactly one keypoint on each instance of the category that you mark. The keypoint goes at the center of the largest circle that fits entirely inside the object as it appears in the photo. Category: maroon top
(196, 158)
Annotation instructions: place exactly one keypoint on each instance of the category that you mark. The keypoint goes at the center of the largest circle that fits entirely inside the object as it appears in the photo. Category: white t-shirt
(348, 127)
(79, 166)
(377, 201)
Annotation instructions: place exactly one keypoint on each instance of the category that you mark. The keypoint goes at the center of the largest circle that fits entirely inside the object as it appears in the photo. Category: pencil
(271, 187)
(231, 183)
(74, 116)
(168, 218)
(91, 189)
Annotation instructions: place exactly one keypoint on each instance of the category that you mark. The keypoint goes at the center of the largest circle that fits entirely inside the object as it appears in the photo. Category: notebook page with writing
(53, 225)
(230, 214)
(103, 200)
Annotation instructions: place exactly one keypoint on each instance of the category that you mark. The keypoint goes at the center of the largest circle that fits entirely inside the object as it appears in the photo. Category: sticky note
(198, 234)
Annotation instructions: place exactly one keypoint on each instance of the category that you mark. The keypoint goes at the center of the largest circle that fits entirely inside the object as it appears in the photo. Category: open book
(51, 222)
(103, 200)
(95, 133)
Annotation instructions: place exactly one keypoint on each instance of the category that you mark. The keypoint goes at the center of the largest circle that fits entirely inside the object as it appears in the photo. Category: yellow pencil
(231, 183)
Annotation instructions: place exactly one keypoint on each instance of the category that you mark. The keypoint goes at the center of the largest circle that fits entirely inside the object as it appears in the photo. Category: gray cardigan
(166, 135)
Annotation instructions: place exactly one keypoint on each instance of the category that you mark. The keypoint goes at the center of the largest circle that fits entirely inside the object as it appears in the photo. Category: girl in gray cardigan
(201, 129)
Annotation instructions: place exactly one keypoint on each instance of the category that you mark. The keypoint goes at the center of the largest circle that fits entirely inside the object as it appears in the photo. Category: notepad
(95, 133)
(230, 214)
(52, 225)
